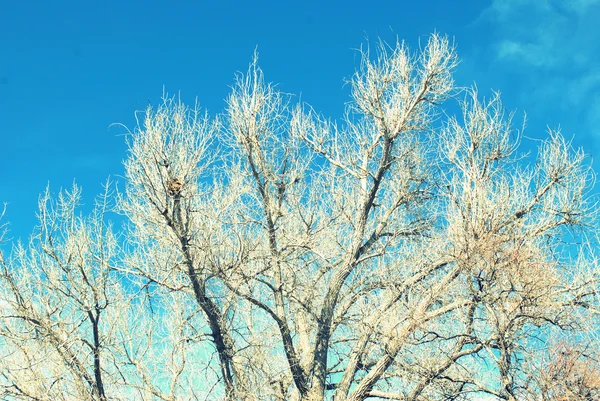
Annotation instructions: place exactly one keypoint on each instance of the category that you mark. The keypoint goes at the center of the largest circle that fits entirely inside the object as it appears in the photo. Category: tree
(570, 374)
(272, 254)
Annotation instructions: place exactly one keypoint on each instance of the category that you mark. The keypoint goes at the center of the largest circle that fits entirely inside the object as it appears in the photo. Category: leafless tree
(272, 254)
(568, 374)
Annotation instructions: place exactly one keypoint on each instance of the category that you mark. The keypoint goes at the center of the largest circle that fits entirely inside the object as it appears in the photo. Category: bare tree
(568, 373)
(272, 254)
(55, 296)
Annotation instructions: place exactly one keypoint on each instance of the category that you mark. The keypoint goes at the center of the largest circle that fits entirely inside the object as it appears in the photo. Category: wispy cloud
(545, 33)
(552, 47)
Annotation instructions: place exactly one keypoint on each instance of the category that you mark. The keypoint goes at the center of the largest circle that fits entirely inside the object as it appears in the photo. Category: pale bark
(272, 254)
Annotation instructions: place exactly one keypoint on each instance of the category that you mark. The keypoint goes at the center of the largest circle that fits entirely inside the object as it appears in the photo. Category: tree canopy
(270, 253)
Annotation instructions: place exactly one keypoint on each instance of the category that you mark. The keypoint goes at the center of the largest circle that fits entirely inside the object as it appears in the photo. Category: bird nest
(174, 186)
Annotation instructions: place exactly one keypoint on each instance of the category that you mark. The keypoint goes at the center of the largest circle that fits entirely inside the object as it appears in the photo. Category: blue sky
(69, 69)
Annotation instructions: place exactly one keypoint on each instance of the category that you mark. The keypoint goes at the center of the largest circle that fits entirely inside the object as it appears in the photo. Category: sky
(71, 70)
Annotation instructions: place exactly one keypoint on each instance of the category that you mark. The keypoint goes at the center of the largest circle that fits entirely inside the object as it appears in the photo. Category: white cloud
(530, 53)
(551, 47)
(544, 33)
